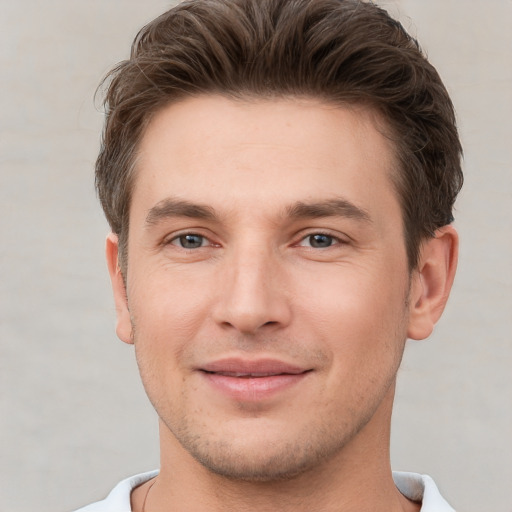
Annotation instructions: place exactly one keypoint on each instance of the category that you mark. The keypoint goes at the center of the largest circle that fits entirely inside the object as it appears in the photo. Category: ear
(124, 325)
(432, 281)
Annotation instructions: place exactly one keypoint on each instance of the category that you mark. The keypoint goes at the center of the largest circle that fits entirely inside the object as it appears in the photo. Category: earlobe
(123, 326)
(432, 281)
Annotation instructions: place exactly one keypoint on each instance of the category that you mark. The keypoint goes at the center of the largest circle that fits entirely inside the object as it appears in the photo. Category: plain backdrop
(74, 418)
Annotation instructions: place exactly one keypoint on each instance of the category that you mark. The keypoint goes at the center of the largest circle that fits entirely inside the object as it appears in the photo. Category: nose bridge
(251, 288)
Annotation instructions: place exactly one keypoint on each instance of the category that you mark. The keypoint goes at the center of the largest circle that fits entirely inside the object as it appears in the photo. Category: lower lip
(253, 389)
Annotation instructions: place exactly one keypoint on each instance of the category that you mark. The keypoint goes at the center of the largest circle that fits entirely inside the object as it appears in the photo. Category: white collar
(421, 488)
(412, 485)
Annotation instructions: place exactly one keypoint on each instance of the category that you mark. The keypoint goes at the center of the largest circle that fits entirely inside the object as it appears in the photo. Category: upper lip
(238, 367)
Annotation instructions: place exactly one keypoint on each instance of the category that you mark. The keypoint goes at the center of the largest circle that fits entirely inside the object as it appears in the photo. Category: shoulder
(421, 488)
(118, 499)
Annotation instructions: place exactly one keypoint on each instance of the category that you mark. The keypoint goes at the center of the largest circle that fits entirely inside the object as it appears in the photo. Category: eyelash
(334, 240)
(182, 236)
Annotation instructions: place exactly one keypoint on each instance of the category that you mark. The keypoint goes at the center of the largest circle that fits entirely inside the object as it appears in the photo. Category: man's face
(267, 281)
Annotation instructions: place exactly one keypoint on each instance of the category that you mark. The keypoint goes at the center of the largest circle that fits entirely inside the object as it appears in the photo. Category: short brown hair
(340, 51)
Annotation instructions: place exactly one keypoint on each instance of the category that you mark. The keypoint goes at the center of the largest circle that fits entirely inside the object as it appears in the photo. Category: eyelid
(179, 237)
(170, 238)
(340, 239)
(337, 237)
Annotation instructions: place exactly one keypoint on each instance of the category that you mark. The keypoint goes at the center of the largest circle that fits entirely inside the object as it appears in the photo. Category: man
(279, 177)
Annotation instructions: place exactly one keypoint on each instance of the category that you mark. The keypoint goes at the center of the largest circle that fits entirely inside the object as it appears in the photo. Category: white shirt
(413, 486)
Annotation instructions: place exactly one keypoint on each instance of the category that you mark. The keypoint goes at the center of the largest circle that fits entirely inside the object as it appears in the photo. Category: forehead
(226, 152)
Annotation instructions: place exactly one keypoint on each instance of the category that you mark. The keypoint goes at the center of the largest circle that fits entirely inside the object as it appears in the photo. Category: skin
(297, 255)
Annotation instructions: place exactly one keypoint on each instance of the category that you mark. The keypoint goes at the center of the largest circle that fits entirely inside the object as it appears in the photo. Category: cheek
(360, 315)
(168, 311)
(172, 299)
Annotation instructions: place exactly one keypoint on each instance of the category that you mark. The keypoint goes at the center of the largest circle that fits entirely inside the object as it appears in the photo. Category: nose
(252, 294)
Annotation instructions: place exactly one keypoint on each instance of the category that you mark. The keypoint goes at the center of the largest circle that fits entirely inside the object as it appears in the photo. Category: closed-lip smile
(252, 380)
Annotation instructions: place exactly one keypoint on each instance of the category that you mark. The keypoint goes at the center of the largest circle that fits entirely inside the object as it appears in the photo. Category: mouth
(251, 381)
(238, 367)
(243, 375)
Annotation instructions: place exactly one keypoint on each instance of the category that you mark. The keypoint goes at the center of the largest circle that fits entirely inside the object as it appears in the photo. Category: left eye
(190, 241)
(318, 241)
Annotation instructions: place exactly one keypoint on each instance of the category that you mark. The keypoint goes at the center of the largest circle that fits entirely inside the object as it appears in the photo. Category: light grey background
(74, 418)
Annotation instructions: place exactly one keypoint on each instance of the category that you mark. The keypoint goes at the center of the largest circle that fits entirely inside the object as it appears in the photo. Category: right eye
(190, 241)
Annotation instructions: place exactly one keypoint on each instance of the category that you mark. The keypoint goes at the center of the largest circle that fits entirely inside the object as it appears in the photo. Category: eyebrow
(171, 207)
(331, 208)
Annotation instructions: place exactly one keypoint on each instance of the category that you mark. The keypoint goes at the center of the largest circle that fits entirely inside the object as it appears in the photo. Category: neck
(358, 478)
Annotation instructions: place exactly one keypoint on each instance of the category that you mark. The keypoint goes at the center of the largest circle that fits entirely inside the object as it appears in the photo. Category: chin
(267, 467)
(265, 456)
